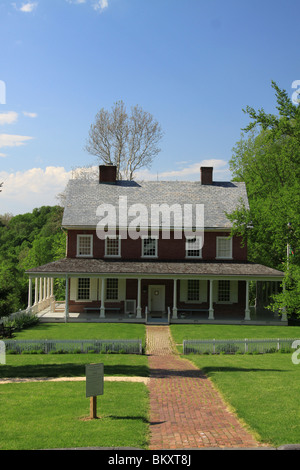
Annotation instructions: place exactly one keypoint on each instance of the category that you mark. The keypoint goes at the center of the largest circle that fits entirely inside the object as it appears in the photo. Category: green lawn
(181, 332)
(264, 390)
(83, 331)
(72, 365)
(52, 415)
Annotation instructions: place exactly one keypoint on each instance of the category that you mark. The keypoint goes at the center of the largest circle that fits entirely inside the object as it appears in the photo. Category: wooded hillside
(26, 241)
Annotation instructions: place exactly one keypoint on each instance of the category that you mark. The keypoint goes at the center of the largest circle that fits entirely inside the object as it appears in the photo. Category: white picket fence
(237, 346)
(52, 346)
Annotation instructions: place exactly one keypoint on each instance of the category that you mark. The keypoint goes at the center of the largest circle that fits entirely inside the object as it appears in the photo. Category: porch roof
(171, 269)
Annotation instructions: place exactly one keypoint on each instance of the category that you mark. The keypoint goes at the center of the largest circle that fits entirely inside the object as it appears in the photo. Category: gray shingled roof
(83, 198)
(84, 266)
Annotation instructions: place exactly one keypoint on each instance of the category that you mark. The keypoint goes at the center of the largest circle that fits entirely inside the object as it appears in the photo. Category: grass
(263, 390)
(72, 365)
(53, 415)
(181, 332)
(83, 331)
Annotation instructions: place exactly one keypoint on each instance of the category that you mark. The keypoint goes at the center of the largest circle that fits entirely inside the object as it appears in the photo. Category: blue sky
(193, 64)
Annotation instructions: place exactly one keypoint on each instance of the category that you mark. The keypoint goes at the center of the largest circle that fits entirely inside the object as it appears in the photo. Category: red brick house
(162, 268)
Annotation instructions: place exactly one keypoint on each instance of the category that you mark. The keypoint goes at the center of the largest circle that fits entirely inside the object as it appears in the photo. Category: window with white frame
(84, 245)
(224, 291)
(224, 247)
(193, 247)
(112, 246)
(149, 247)
(83, 292)
(112, 289)
(193, 290)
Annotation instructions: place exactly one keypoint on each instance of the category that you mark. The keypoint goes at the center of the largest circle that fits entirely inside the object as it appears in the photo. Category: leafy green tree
(268, 161)
(26, 241)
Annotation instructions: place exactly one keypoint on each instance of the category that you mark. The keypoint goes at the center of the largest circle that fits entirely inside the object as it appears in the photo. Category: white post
(247, 309)
(51, 287)
(44, 295)
(102, 308)
(48, 287)
(30, 293)
(41, 289)
(284, 317)
(139, 308)
(175, 299)
(36, 291)
(67, 299)
(211, 308)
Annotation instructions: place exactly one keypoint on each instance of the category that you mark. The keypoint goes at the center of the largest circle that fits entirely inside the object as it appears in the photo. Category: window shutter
(215, 291)
(183, 290)
(203, 291)
(73, 288)
(122, 289)
(234, 291)
(93, 289)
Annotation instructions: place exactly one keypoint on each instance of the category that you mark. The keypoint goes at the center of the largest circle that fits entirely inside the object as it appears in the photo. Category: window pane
(193, 247)
(112, 246)
(193, 290)
(83, 289)
(224, 247)
(149, 246)
(112, 289)
(224, 291)
(84, 245)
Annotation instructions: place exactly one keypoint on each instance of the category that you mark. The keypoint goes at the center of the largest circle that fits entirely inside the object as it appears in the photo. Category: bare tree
(129, 142)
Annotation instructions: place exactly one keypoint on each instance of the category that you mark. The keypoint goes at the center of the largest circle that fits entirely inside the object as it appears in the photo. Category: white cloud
(32, 115)
(3, 155)
(189, 172)
(24, 190)
(76, 1)
(100, 5)
(97, 5)
(28, 7)
(8, 118)
(10, 140)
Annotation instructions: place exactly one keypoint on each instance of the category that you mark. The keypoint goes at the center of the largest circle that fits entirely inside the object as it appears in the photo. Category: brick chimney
(206, 175)
(107, 174)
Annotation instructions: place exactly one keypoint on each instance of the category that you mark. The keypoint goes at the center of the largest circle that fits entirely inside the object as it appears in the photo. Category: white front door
(157, 298)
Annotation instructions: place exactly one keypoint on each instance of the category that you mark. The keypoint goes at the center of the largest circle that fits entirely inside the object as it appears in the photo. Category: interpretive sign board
(94, 379)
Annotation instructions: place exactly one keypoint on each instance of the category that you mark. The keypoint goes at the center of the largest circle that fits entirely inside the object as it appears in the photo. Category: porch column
(30, 293)
(44, 295)
(102, 308)
(139, 308)
(247, 309)
(175, 299)
(36, 291)
(41, 289)
(211, 308)
(51, 287)
(67, 299)
(48, 287)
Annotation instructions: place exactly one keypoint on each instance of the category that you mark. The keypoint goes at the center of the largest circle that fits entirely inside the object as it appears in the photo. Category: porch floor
(265, 318)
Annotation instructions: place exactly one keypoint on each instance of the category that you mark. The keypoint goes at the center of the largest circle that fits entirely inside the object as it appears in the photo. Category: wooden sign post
(94, 385)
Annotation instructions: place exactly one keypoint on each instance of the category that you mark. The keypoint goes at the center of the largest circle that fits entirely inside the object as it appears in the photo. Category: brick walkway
(186, 410)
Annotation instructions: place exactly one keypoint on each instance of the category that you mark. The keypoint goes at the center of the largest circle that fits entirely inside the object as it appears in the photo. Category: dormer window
(149, 247)
(113, 246)
(224, 248)
(84, 245)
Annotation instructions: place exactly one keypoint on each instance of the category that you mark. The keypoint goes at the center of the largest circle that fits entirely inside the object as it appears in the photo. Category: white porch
(154, 292)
